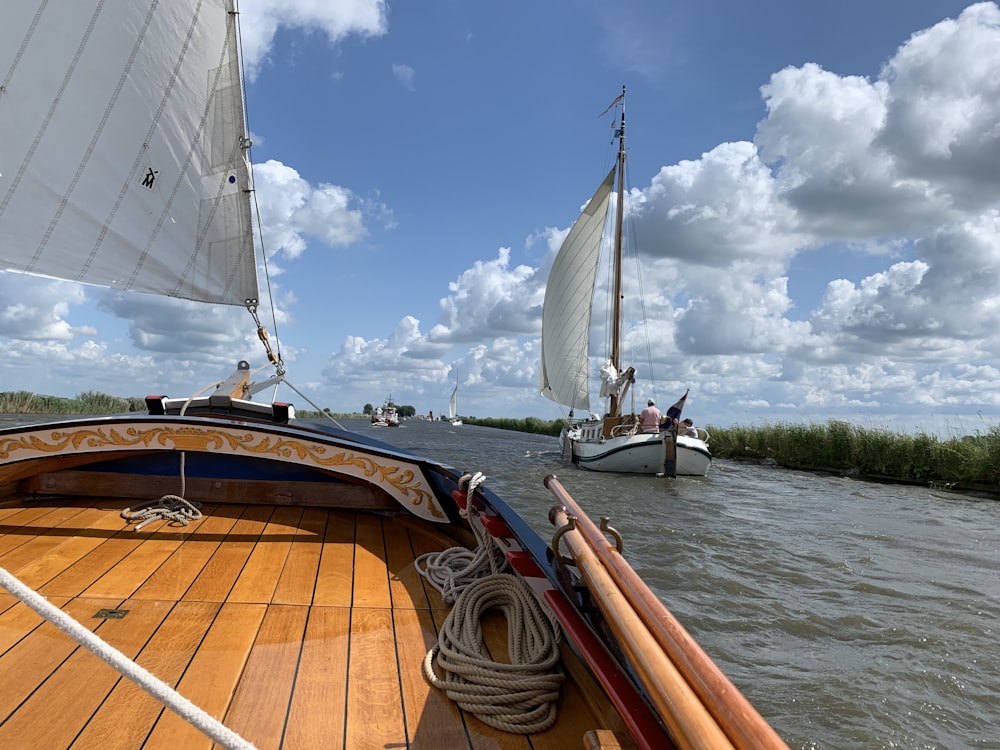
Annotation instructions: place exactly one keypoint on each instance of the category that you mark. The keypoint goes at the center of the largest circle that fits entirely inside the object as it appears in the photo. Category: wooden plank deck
(297, 627)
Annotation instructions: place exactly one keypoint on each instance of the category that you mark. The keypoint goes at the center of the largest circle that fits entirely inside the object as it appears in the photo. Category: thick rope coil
(451, 570)
(518, 696)
(172, 508)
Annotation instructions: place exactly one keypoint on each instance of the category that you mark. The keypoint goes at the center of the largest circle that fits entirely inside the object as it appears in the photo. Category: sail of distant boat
(453, 407)
(614, 441)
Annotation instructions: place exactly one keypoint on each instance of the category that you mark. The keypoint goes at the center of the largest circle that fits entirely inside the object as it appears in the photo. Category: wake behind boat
(215, 570)
(615, 442)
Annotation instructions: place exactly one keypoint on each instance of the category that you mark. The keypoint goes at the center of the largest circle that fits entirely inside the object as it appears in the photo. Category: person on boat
(649, 418)
(688, 428)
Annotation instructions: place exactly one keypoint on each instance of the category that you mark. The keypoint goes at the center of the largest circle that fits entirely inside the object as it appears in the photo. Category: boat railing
(624, 429)
(698, 704)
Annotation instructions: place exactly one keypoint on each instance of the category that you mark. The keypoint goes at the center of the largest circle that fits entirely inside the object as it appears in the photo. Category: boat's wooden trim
(745, 728)
(35, 449)
(347, 495)
(260, 615)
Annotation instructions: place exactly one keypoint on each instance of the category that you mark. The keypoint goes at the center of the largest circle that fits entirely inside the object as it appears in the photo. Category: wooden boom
(743, 726)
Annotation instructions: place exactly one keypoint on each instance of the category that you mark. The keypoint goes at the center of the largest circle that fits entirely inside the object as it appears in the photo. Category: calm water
(852, 615)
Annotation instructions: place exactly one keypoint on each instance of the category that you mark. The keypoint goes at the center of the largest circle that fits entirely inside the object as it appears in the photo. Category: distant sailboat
(614, 442)
(453, 408)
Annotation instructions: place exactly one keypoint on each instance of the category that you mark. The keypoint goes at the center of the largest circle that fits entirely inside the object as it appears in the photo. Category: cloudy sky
(817, 192)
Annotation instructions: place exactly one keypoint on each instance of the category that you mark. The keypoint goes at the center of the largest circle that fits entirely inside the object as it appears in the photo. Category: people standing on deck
(687, 428)
(649, 419)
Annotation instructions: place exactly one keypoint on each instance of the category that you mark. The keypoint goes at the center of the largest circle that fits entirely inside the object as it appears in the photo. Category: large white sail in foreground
(122, 147)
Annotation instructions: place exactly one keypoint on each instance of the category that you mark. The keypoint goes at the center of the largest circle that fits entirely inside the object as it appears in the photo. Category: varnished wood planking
(220, 573)
(371, 578)
(432, 721)
(406, 585)
(166, 655)
(96, 525)
(317, 714)
(259, 707)
(17, 550)
(79, 685)
(33, 658)
(139, 564)
(19, 620)
(208, 490)
(174, 577)
(386, 648)
(335, 581)
(112, 548)
(298, 577)
(212, 676)
(259, 577)
(374, 710)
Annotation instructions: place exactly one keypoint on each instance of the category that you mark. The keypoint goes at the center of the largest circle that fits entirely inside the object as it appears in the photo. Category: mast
(616, 317)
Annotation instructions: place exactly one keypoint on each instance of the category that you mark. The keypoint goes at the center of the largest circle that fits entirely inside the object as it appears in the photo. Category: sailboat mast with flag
(617, 441)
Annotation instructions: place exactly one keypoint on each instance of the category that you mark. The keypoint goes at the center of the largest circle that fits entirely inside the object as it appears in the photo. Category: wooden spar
(742, 724)
(670, 451)
(691, 725)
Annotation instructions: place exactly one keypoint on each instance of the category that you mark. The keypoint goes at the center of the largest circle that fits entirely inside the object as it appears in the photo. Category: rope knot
(173, 508)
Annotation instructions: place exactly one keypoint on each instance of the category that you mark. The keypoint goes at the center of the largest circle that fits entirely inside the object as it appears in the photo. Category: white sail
(122, 147)
(566, 309)
(453, 404)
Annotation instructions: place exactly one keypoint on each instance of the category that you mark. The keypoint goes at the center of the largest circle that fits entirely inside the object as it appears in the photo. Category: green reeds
(90, 402)
(851, 450)
(529, 424)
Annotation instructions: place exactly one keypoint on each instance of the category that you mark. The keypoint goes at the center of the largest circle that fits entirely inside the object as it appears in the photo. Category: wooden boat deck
(296, 627)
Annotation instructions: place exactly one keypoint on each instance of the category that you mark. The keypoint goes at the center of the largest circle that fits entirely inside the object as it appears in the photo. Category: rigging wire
(273, 356)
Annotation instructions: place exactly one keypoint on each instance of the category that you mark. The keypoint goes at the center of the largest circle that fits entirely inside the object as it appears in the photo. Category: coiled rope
(451, 570)
(173, 508)
(517, 696)
(109, 654)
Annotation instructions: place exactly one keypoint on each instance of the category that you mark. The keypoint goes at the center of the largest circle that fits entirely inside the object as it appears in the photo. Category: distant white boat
(385, 415)
(614, 442)
(453, 408)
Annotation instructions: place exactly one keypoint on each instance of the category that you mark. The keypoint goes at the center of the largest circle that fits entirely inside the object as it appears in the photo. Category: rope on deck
(160, 690)
(517, 696)
(451, 570)
(173, 508)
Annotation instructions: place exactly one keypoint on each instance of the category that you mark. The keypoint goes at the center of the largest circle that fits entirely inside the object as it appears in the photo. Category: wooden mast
(616, 318)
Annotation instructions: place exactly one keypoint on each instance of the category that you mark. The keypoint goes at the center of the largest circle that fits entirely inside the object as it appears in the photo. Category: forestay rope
(519, 695)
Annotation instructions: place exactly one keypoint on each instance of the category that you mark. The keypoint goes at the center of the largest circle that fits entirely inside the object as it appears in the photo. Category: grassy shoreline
(970, 463)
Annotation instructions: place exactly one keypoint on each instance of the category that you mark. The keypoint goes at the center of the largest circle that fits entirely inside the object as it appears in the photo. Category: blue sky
(818, 193)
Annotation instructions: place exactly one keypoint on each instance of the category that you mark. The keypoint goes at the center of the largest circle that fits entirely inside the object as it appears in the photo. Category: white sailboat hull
(641, 453)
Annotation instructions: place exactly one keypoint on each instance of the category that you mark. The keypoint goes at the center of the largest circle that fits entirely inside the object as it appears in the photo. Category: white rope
(171, 508)
(451, 570)
(519, 696)
(112, 656)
